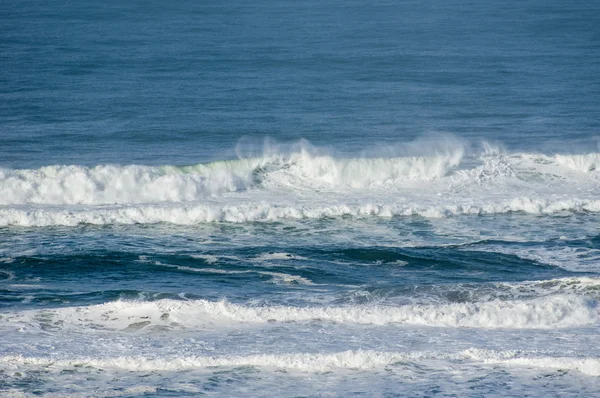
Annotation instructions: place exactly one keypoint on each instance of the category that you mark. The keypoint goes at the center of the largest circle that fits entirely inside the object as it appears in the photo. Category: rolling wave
(554, 311)
(111, 184)
(300, 185)
(68, 185)
(191, 214)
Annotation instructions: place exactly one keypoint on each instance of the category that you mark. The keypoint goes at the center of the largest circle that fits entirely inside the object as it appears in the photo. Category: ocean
(300, 199)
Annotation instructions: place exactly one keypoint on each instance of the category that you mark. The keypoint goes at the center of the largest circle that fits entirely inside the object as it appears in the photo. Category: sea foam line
(306, 362)
(268, 212)
(558, 311)
(276, 276)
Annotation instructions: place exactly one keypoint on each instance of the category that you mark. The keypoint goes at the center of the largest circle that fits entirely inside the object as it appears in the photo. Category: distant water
(299, 198)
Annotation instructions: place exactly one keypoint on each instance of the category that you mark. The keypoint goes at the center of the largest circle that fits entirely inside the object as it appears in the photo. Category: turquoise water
(299, 199)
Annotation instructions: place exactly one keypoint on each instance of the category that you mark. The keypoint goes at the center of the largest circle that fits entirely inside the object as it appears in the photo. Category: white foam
(68, 185)
(570, 285)
(583, 163)
(279, 256)
(276, 276)
(306, 170)
(281, 277)
(106, 393)
(131, 391)
(123, 184)
(588, 366)
(558, 311)
(209, 259)
(494, 167)
(264, 212)
(301, 185)
(13, 393)
(304, 362)
(23, 286)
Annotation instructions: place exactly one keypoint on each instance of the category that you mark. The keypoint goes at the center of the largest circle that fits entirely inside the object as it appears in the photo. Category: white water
(546, 312)
(420, 335)
(301, 186)
(191, 214)
(68, 185)
(307, 362)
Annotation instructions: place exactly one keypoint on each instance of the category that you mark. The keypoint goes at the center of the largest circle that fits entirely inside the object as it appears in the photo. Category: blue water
(299, 198)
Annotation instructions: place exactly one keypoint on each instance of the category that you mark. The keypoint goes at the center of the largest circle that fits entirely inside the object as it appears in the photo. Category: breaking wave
(558, 311)
(68, 185)
(111, 184)
(191, 214)
(582, 163)
(302, 184)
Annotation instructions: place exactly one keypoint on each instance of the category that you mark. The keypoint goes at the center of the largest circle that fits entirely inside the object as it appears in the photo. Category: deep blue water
(299, 198)
(181, 83)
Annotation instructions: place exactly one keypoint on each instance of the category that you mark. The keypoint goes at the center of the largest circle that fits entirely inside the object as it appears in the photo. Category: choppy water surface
(299, 199)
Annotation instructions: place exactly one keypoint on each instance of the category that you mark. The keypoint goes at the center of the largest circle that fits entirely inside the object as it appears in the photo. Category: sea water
(317, 198)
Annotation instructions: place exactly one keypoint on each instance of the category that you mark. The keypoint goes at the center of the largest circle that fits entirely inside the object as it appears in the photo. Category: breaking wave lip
(111, 184)
(583, 163)
(192, 214)
(308, 362)
(317, 172)
(302, 169)
(558, 311)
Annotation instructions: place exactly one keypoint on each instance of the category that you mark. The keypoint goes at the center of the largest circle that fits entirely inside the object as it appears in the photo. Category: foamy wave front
(583, 163)
(62, 185)
(588, 366)
(541, 313)
(68, 185)
(300, 185)
(190, 214)
(304, 362)
(304, 170)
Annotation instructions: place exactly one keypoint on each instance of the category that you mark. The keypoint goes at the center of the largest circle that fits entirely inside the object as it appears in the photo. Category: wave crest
(193, 214)
(68, 185)
(540, 313)
(582, 163)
